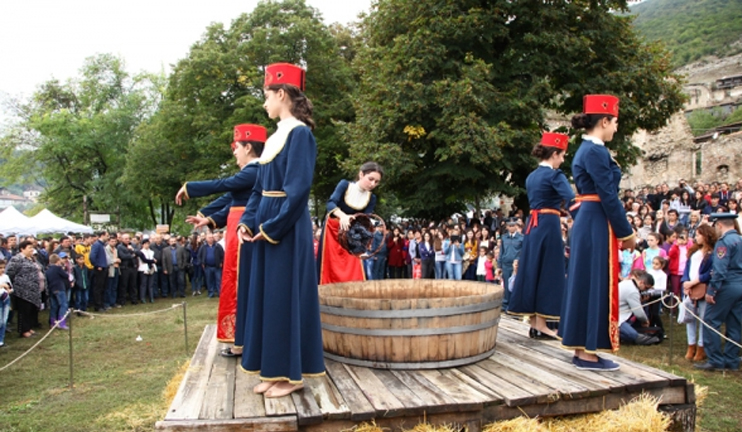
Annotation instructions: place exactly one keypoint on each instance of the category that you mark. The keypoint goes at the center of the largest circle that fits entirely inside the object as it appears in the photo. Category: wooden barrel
(410, 323)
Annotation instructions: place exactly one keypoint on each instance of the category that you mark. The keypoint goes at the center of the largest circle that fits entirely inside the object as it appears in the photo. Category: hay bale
(639, 415)
(518, 424)
(172, 386)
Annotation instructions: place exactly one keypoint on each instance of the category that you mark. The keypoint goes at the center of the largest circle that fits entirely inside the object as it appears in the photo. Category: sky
(45, 39)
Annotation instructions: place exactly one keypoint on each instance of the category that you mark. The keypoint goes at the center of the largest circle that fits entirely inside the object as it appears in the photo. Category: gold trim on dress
(185, 189)
(277, 141)
(626, 238)
(270, 240)
(212, 222)
(274, 194)
(354, 202)
(201, 215)
(249, 231)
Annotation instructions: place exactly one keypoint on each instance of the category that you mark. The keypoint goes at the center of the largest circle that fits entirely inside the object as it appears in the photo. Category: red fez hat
(285, 73)
(600, 104)
(250, 132)
(550, 139)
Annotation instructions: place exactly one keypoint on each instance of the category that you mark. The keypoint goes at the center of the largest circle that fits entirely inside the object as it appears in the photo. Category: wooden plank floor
(524, 377)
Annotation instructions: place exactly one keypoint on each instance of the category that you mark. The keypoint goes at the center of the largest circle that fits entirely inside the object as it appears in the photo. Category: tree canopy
(74, 138)
(454, 94)
(220, 84)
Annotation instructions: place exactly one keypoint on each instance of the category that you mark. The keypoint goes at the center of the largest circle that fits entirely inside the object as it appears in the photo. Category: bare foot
(283, 388)
(263, 387)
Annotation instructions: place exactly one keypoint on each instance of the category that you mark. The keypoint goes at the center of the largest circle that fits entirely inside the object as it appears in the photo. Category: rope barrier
(708, 325)
(55, 326)
(93, 315)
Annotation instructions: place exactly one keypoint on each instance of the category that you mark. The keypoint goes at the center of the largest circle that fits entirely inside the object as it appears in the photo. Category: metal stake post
(185, 326)
(672, 321)
(69, 332)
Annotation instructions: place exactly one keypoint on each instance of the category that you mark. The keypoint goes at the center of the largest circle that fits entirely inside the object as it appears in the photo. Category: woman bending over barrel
(335, 264)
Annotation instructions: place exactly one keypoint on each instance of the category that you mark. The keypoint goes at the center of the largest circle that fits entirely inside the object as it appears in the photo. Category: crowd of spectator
(100, 272)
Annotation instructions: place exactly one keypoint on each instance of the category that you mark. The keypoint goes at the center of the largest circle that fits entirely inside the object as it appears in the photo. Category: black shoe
(228, 353)
(706, 366)
(532, 333)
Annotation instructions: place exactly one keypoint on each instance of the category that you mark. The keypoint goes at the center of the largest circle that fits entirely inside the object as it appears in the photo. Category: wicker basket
(364, 220)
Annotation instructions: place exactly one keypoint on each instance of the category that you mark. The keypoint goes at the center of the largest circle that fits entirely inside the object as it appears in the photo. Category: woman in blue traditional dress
(589, 318)
(539, 285)
(247, 148)
(334, 263)
(283, 334)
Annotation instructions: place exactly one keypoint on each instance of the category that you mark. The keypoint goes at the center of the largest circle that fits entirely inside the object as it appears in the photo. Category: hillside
(691, 29)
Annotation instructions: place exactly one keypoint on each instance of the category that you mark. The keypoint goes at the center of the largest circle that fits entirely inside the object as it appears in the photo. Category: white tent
(48, 222)
(14, 222)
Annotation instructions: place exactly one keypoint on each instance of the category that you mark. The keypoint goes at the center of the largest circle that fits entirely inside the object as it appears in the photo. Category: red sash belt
(533, 222)
(579, 199)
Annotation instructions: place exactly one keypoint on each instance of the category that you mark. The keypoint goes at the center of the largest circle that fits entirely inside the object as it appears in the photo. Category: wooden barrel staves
(410, 323)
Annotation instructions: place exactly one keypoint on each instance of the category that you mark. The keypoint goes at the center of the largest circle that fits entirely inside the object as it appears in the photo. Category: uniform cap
(285, 73)
(550, 139)
(600, 104)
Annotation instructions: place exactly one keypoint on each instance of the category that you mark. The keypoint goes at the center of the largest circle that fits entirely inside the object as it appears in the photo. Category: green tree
(453, 94)
(74, 138)
(220, 84)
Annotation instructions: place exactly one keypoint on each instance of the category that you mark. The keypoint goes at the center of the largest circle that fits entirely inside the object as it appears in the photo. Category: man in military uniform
(512, 243)
(724, 297)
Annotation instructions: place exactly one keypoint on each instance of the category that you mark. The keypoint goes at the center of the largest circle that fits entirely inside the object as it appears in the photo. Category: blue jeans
(58, 305)
(453, 270)
(4, 310)
(112, 290)
(81, 299)
(627, 332)
(440, 269)
(380, 268)
(368, 268)
(696, 337)
(145, 287)
(213, 280)
(197, 279)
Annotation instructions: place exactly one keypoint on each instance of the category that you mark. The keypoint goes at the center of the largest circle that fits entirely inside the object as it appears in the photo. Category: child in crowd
(58, 282)
(482, 264)
(82, 283)
(653, 250)
(630, 259)
(657, 270)
(490, 265)
(6, 288)
(678, 256)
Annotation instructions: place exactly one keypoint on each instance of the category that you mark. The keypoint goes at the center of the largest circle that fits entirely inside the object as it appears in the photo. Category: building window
(697, 164)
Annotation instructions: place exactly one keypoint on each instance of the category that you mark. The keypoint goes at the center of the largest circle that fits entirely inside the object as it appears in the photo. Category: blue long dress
(539, 284)
(283, 335)
(589, 318)
(232, 302)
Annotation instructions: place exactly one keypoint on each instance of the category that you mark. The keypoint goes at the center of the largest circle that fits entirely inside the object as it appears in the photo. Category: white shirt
(593, 139)
(695, 264)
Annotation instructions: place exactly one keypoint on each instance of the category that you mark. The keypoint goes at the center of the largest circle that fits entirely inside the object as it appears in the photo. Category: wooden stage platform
(524, 377)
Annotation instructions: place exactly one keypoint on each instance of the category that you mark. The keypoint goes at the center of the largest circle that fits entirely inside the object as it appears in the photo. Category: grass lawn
(119, 382)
